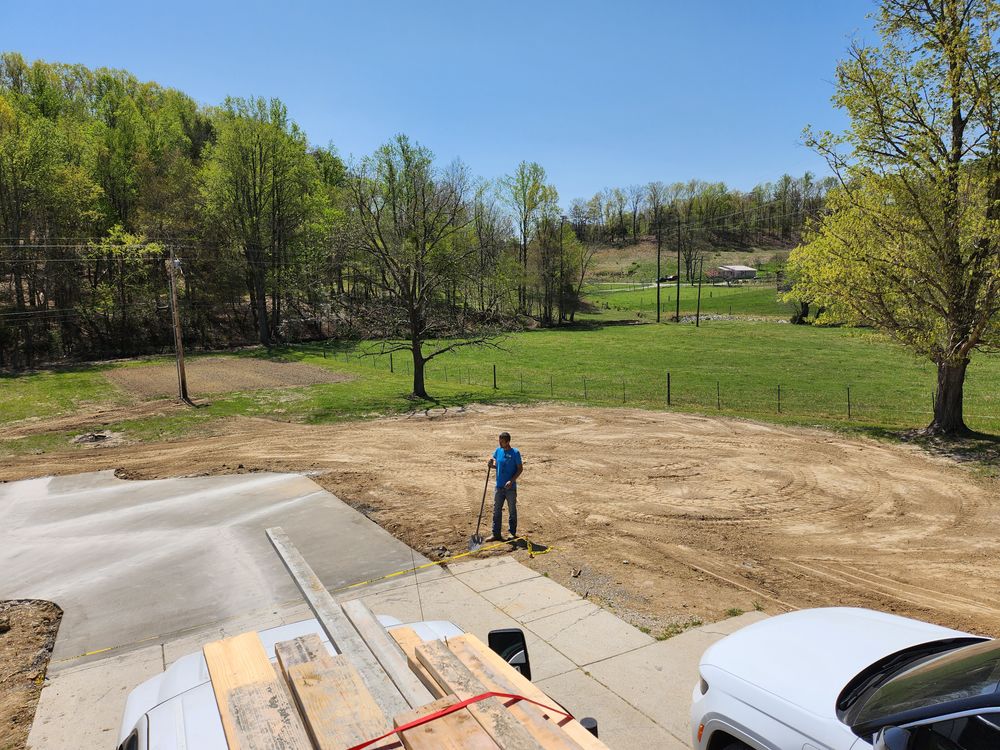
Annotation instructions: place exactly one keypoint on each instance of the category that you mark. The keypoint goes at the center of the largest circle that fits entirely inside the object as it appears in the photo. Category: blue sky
(600, 93)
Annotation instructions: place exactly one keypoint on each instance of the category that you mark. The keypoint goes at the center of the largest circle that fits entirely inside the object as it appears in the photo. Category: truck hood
(807, 657)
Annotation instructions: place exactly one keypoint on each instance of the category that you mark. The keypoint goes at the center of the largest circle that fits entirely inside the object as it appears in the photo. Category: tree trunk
(419, 391)
(948, 418)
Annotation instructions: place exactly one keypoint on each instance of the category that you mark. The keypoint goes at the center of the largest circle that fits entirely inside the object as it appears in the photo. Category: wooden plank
(408, 641)
(498, 722)
(388, 653)
(338, 710)
(337, 627)
(456, 731)
(299, 650)
(468, 644)
(255, 710)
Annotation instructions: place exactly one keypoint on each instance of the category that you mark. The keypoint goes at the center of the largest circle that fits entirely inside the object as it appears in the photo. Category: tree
(636, 195)
(656, 193)
(411, 216)
(526, 193)
(911, 244)
(256, 182)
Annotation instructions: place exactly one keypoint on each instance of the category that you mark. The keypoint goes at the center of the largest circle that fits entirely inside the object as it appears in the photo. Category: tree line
(102, 176)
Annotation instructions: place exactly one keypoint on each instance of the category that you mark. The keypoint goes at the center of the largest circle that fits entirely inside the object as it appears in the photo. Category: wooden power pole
(677, 314)
(182, 389)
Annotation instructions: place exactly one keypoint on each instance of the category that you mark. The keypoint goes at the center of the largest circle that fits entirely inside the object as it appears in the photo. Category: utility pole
(659, 243)
(697, 315)
(182, 390)
(562, 220)
(677, 314)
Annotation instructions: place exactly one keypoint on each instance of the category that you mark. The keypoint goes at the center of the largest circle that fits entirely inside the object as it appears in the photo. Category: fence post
(494, 377)
(668, 387)
(446, 373)
(779, 399)
(584, 387)
(848, 402)
(551, 391)
(623, 390)
(521, 374)
(718, 395)
(391, 368)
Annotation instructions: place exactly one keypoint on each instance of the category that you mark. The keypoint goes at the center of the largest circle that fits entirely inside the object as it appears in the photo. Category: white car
(844, 678)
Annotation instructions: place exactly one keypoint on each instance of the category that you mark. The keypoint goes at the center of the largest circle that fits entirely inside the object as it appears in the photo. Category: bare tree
(409, 214)
(636, 194)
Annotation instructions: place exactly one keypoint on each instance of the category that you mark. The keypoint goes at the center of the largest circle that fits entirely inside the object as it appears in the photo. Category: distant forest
(105, 180)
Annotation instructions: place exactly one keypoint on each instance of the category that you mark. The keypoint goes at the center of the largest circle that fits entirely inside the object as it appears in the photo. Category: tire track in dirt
(675, 516)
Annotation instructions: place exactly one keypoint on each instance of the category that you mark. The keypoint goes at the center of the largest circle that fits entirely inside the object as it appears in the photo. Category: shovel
(476, 540)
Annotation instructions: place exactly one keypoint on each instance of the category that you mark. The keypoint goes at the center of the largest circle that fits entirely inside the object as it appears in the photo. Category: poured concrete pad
(131, 561)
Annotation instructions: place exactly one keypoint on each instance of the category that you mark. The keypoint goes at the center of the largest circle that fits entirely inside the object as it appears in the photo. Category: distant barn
(732, 273)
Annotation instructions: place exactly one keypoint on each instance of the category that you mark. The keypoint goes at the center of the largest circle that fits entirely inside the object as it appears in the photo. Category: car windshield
(964, 673)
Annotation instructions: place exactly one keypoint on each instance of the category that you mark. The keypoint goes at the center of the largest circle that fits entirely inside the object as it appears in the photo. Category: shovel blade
(475, 542)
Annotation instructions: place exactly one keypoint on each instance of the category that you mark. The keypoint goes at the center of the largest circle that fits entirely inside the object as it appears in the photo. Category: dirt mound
(27, 634)
(666, 518)
(209, 375)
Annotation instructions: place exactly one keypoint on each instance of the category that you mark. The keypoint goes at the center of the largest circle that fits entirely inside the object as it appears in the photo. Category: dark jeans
(510, 496)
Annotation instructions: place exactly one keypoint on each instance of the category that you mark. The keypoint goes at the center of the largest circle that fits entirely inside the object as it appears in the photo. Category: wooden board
(337, 627)
(337, 708)
(388, 653)
(456, 731)
(491, 714)
(408, 641)
(255, 710)
(467, 645)
(299, 650)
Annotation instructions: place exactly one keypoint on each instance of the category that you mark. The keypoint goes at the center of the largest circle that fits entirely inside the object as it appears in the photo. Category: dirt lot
(27, 633)
(666, 518)
(208, 375)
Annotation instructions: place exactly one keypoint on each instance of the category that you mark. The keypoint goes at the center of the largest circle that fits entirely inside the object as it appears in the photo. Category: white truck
(176, 710)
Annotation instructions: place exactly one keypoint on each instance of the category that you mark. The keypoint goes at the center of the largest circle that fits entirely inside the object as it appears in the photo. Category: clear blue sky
(600, 93)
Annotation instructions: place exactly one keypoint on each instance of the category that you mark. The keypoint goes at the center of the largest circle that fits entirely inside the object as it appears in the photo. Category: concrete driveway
(131, 562)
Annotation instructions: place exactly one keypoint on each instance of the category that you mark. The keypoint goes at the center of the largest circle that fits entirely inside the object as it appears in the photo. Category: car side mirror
(512, 647)
(893, 738)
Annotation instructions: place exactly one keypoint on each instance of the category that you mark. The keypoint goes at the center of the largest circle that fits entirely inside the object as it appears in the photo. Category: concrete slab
(586, 633)
(531, 598)
(83, 707)
(620, 724)
(495, 573)
(120, 556)
(658, 678)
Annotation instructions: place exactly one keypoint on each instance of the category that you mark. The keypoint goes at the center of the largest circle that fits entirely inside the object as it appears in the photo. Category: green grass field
(733, 368)
(620, 302)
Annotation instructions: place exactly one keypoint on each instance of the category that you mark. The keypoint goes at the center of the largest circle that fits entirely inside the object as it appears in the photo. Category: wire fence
(683, 389)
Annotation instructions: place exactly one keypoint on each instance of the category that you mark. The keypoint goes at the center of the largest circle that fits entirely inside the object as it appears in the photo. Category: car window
(980, 732)
(964, 673)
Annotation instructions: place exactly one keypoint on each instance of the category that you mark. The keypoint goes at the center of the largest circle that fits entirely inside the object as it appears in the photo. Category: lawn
(733, 368)
(48, 393)
(638, 301)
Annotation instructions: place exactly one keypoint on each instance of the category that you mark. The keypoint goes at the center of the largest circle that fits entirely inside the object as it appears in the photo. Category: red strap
(458, 707)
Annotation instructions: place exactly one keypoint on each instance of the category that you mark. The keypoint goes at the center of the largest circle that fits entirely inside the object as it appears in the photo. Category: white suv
(841, 678)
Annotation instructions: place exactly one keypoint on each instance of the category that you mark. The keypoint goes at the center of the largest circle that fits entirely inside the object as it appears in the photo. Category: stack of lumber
(379, 682)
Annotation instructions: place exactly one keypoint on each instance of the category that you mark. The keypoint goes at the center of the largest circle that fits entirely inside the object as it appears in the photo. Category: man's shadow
(533, 547)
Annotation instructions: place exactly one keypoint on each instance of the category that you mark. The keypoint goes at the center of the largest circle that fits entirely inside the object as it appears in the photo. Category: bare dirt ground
(27, 633)
(207, 375)
(665, 518)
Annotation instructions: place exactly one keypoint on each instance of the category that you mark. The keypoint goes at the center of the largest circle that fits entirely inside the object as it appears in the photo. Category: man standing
(507, 461)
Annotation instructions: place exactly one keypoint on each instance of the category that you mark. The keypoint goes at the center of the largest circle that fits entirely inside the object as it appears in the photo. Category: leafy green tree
(257, 181)
(911, 244)
(527, 194)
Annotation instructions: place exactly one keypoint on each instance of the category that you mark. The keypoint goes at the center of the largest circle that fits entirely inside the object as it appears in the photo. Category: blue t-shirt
(507, 463)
